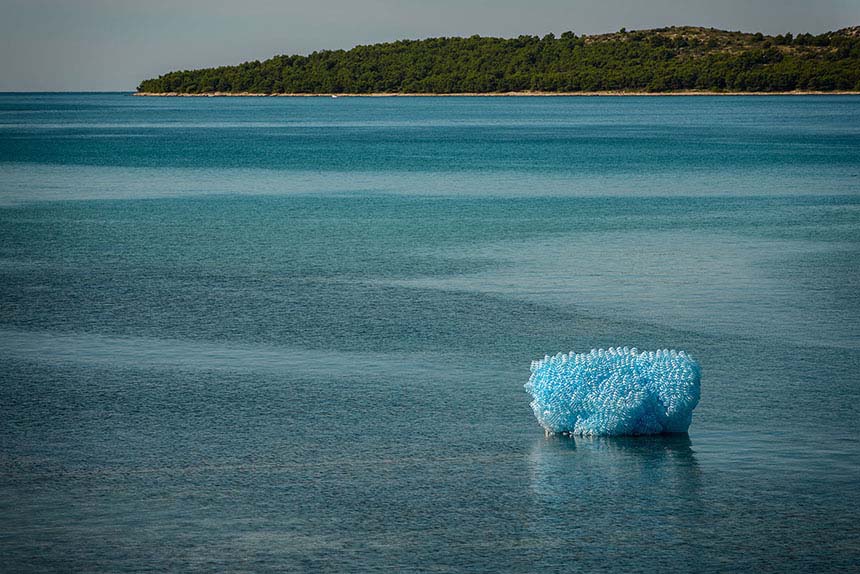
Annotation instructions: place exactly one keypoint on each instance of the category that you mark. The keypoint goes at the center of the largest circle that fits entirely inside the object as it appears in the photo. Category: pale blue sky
(113, 44)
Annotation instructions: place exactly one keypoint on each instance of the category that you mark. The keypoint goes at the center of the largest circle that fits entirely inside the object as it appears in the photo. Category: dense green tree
(667, 59)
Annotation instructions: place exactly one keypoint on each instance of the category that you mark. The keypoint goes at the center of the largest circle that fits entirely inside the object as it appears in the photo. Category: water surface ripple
(274, 334)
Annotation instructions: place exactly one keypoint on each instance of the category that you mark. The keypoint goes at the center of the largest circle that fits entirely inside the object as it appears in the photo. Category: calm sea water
(250, 334)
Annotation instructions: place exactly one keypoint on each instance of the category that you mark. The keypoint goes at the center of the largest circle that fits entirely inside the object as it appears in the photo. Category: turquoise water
(244, 334)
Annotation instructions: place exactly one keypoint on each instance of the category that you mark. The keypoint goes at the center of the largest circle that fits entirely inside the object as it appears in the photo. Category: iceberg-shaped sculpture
(618, 391)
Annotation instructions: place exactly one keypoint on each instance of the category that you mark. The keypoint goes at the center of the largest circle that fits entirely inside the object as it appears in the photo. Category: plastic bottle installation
(618, 391)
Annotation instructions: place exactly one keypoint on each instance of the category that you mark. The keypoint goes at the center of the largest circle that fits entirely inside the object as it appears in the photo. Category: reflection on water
(563, 468)
(621, 500)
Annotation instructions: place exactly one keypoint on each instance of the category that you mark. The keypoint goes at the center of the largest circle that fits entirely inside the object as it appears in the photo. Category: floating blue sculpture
(618, 391)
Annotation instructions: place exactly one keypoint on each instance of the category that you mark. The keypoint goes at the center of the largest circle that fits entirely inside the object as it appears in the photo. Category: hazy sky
(113, 44)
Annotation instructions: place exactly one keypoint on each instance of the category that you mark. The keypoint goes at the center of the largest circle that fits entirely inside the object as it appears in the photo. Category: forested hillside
(668, 59)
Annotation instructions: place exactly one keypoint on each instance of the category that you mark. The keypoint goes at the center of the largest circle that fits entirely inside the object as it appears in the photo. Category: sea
(292, 334)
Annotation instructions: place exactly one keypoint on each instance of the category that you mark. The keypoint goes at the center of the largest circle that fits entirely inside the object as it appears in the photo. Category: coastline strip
(491, 94)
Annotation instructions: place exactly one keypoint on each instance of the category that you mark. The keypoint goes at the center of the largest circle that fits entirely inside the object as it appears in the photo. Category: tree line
(668, 59)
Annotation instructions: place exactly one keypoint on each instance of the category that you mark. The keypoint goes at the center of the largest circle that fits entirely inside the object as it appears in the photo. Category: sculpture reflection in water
(618, 500)
(595, 475)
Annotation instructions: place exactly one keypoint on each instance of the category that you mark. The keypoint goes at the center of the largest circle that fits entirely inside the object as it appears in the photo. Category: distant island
(666, 60)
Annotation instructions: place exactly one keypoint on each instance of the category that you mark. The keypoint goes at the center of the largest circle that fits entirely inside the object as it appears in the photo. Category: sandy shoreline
(493, 94)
